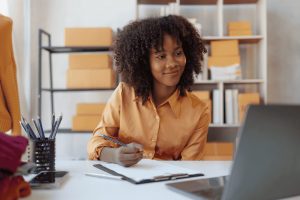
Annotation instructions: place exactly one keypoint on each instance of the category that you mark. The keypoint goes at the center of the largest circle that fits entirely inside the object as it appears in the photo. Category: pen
(52, 131)
(37, 128)
(52, 123)
(112, 139)
(41, 128)
(30, 131)
(104, 176)
(56, 127)
(25, 129)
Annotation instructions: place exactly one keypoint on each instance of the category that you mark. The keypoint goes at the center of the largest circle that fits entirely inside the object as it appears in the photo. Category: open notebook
(147, 171)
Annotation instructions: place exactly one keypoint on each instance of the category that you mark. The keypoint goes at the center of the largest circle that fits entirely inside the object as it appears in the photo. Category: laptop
(267, 161)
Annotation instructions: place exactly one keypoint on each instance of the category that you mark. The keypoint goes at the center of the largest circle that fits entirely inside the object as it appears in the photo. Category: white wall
(54, 16)
(283, 51)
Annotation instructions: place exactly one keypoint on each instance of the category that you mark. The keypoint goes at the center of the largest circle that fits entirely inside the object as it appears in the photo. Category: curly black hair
(132, 51)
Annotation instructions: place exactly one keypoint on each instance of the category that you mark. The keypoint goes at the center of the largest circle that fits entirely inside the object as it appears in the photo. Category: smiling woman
(152, 110)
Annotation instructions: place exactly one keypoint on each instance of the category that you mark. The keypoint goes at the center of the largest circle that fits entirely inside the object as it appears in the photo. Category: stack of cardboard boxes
(87, 116)
(240, 28)
(89, 70)
(224, 62)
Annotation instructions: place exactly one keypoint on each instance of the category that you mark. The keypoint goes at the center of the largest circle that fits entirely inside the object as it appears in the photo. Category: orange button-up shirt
(176, 129)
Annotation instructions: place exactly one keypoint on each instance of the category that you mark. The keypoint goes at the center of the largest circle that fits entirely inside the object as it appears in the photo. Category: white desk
(79, 186)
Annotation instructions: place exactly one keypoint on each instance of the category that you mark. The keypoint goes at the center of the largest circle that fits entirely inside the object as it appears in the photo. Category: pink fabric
(11, 150)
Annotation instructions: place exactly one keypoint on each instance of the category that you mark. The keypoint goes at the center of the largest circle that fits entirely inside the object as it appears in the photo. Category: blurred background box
(239, 28)
(239, 25)
(85, 122)
(88, 36)
(239, 32)
(222, 61)
(244, 100)
(90, 61)
(90, 108)
(225, 48)
(218, 151)
(91, 78)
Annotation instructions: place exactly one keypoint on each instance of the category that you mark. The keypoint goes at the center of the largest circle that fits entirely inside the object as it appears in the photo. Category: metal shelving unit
(58, 50)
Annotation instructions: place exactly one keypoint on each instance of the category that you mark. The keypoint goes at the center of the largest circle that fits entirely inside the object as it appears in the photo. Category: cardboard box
(239, 32)
(90, 108)
(218, 151)
(222, 61)
(219, 148)
(244, 100)
(239, 25)
(225, 48)
(91, 78)
(203, 95)
(88, 36)
(90, 61)
(85, 122)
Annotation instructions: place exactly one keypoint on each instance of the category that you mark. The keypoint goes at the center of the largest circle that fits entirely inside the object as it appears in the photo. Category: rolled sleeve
(110, 119)
(97, 143)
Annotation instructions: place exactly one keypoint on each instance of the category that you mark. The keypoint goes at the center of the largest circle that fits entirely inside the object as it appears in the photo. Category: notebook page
(147, 169)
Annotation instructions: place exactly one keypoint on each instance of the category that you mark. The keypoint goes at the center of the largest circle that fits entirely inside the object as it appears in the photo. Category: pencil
(41, 127)
(56, 127)
(112, 139)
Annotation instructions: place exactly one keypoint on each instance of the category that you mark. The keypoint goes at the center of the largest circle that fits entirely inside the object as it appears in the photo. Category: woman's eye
(178, 53)
(160, 57)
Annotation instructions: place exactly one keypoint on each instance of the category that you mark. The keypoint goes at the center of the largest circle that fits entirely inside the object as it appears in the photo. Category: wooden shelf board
(195, 2)
(76, 89)
(72, 49)
(224, 125)
(240, 1)
(242, 39)
(69, 130)
(246, 81)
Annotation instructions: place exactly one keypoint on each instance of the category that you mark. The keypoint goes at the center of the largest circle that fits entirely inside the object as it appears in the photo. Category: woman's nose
(171, 62)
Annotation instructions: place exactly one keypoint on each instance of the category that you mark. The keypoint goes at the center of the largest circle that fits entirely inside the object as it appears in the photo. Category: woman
(152, 110)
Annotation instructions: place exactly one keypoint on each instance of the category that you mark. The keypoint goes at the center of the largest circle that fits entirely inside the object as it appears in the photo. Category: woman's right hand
(125, 155)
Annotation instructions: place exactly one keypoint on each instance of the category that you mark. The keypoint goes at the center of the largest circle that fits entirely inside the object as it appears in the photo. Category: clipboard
(158, 178)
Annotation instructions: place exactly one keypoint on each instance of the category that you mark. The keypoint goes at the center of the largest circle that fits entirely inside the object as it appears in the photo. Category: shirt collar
(173, 101)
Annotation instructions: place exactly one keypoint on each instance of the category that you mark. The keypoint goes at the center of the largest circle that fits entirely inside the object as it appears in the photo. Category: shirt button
(153, 140)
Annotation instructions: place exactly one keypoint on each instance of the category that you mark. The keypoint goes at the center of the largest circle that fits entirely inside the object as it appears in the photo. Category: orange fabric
(13, 188)
(9, 99)
(176, 129)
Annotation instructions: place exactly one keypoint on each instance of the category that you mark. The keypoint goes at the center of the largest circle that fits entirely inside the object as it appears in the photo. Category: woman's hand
(125, 155)
(129, 155)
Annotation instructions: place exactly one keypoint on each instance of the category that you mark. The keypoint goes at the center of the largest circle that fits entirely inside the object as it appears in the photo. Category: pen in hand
(125, 155)
(112, 139)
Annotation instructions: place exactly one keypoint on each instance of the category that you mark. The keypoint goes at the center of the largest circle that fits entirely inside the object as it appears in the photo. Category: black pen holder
(43, 155)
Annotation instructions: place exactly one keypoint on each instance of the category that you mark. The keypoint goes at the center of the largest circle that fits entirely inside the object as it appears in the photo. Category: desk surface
(79, 186)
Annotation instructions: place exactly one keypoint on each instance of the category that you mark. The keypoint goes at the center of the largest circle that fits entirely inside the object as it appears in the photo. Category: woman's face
(168, 63)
